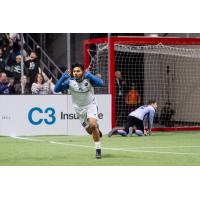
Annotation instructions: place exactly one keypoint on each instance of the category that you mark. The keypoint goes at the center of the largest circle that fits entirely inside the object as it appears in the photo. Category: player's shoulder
(151, 108)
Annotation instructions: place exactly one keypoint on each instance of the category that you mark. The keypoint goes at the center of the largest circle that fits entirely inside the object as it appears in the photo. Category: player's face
(155, 105)
(77, 73)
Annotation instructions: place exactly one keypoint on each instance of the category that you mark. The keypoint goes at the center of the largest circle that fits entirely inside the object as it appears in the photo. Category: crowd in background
(13, 60)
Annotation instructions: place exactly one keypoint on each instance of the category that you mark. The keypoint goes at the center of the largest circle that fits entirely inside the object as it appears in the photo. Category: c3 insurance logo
(37, 116)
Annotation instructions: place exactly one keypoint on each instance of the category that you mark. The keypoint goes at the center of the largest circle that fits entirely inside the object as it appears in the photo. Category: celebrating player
(81, 86)
(137, 118)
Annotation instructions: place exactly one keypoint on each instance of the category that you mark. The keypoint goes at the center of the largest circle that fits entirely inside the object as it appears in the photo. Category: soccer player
(137, 118)
(81, 86)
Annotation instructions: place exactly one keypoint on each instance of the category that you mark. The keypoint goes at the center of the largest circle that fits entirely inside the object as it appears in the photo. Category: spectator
(2, 61)
(166, 115)
(10, 63)
(17, 69)
(32, 66)
(4, 41)
(119, 98)
(40, 86)
(15, 41)
(132, 99)
(6, 87)
(22, 85)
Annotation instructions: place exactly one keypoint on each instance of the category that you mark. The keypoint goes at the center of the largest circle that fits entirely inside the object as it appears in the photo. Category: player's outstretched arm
(95, 81)
(62, 83)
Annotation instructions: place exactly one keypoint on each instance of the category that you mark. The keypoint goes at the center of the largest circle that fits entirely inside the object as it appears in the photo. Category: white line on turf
(164, 147)
(105, 148)
(125, 150)
(25, 138)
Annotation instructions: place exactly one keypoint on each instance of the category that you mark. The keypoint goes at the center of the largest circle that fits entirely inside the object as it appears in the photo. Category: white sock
(98, 145)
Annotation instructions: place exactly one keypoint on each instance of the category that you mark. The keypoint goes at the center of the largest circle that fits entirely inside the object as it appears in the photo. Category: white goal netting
(168, 74)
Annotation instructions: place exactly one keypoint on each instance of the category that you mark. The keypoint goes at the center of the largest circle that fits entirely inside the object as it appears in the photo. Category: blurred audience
(2, 60)
(32, 65)
(17, 69)
(11, 67)
(22, 87)
(6, 85)
(132, 99)
(40, 86)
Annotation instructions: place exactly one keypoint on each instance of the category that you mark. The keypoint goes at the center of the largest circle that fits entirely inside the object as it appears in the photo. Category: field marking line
(105, 148)
(165, 147)
(73, 145)
(29, 139)
(125, 148)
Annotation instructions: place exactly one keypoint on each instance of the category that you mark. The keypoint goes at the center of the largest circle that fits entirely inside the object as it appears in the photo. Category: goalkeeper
(81, 85)
(136, 119)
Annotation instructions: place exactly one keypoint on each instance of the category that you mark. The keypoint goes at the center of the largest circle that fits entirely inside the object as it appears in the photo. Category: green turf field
(161, 148)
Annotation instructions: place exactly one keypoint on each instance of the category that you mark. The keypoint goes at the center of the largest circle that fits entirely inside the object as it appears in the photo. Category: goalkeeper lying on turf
(136, 119)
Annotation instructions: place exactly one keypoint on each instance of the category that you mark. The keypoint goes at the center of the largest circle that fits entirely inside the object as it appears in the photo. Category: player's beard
(79, 80)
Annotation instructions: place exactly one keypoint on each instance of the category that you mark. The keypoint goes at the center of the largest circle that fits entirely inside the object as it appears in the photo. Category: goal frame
(134, 41)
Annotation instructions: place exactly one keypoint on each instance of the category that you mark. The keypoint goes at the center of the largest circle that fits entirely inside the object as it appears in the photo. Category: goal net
(167, 73)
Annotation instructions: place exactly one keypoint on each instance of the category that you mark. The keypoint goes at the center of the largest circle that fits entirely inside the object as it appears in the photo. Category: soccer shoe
(98, 153)
(112, 132)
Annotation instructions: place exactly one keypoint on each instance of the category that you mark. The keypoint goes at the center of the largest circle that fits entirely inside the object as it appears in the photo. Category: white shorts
(89, 111)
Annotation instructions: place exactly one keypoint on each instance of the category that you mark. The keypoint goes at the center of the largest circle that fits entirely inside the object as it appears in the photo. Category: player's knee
(139, 132)
(88, 130)
(93, 126)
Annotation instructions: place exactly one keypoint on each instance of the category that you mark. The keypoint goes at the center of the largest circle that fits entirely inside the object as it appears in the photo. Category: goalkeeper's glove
(149, 132)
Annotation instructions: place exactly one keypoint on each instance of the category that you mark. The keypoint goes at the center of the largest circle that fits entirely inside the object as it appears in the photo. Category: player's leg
(129, 125)
(125, 131)
(100, 133)
(92, 113)
(112, 132)
(92, 122)
(139, 127)
(90, 125)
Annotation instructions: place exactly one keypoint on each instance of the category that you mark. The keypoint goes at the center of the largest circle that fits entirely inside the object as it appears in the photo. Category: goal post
(164, 69)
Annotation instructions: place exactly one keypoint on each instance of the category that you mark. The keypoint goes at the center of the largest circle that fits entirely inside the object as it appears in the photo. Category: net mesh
(168, 74)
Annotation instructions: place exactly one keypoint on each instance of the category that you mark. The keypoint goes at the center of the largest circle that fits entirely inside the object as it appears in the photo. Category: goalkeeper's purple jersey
(144, 112)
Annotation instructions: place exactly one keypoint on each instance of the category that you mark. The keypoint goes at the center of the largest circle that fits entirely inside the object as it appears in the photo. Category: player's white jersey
(82, 92)
(144, 111)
